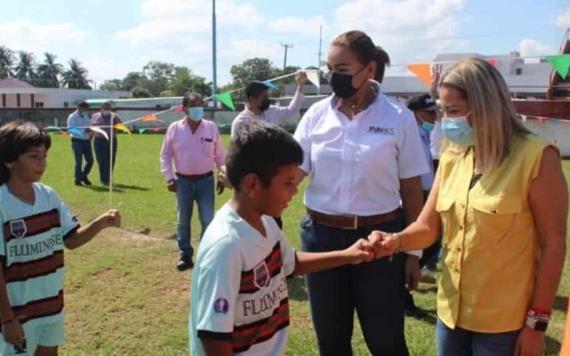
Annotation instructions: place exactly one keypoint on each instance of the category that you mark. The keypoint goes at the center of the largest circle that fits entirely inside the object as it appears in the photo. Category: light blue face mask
(195, 113)
(458, 130)
(428, 126)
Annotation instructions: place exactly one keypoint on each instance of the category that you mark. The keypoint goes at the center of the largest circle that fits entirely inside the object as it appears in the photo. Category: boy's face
(30, 166)
(276, 197)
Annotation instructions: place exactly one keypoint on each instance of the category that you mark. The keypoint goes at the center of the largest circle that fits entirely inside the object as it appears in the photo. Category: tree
(25, 68)
(134, 79)
(251, 69)
(75, 77)
(159, 75)
(112, 84)
(139, 92)
(49, 72)
(185, 81)
(6, 62)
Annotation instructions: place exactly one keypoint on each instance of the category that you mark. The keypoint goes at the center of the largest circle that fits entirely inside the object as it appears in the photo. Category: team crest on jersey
(221, 305)
(18, 228)
(261, 276)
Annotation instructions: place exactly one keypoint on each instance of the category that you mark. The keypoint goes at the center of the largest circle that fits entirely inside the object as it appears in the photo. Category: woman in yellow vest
(501, 201)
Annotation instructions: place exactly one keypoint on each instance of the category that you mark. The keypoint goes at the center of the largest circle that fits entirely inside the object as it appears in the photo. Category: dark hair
(17, 137)
(83, 104)
(366, 51)
(260, 148)
(255, 88)
(190, 97)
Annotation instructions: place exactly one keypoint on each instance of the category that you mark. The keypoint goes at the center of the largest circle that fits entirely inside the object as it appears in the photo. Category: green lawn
(123, 293)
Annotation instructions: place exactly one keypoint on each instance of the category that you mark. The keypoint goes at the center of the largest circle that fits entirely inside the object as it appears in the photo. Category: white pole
(111, 136)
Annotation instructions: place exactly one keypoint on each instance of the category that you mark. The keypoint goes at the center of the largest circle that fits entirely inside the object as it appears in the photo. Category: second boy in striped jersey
(35, 226)
(239, 290)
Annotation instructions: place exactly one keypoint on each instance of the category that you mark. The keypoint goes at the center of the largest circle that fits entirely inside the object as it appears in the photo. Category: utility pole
(286, 46)
(320, 46)
(214, 60)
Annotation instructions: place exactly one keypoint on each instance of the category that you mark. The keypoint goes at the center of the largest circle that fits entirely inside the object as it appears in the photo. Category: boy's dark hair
(255, 88)
(260, 148)
(17, 137)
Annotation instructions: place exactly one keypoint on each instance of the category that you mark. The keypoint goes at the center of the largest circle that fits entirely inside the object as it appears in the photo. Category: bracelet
(4, 322)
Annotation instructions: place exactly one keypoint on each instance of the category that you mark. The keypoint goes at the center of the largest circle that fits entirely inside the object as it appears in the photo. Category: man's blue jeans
(81, 149)
(453, 342)
(188, 191)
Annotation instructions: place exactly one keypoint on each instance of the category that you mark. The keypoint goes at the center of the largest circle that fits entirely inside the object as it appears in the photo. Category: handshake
(378, 244)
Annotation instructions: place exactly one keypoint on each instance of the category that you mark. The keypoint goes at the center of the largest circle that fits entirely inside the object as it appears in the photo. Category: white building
(16, 94)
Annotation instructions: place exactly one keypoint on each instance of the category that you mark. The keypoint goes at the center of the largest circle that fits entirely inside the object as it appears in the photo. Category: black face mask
(341, 84)
(264, 104)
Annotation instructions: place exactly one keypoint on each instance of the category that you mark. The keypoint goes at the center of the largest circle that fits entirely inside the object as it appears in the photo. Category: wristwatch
(537, 321)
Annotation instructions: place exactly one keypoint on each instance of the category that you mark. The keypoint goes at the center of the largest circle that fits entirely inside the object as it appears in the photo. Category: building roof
(14, 83)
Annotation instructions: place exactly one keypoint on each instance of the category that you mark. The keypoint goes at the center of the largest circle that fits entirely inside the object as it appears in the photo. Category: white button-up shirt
(274, 114)
(355, 166)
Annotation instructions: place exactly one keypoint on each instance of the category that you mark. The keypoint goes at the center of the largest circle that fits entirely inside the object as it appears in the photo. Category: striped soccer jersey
(31, 246)
(239, 287)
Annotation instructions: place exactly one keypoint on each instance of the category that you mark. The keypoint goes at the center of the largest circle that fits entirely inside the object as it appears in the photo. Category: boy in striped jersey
(239, 291)
(35, 226)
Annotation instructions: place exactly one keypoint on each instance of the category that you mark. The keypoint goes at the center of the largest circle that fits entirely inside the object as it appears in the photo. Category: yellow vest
(490, 242)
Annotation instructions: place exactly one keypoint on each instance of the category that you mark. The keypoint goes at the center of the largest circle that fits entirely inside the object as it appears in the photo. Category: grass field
(123, 293)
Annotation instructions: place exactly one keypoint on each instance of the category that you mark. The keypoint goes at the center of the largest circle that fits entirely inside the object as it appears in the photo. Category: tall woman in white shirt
(364, 159)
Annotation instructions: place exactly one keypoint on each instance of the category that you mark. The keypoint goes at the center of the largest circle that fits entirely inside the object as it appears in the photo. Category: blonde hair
(493, 116)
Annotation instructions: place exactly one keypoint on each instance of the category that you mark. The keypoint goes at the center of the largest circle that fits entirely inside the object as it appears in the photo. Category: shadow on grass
(131, 187)
(297, 288)
(426, 315)
(99, 188)
(561, 303)
(173, 236)
(424, 290)
(553, 346)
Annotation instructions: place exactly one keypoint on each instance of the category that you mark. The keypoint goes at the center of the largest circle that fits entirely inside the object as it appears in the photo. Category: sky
(112, 38)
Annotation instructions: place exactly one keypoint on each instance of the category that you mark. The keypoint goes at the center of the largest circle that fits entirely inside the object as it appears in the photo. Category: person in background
(258, 106)
(364, 159)
(106, 162)
(77, 124)
(193, 146)
(501, 201)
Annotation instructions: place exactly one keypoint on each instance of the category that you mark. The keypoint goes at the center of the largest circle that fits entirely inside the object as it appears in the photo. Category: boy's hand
(360, 251)
(384, 244)
(110, 218)
(171, 185)
(14, 333)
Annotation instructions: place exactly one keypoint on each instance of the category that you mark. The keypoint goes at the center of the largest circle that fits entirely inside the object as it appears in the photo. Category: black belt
(195, 176)
(352, 222)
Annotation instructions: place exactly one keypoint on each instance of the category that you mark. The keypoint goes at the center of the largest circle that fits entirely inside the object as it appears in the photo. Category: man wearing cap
(105, 118)
(258, 105)
(77, 123)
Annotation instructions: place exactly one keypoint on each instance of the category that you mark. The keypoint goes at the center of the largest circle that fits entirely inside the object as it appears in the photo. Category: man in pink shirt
(191, 148)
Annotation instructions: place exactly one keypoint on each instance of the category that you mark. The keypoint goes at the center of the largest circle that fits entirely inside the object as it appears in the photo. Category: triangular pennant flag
(492, 61)
(122, 127)
(75, 131)
(226, 99)
(150, 117)
(561, 64)
(270, 84)
(178, 108)
(99, 130)
(313, 77)
(141, 131)
(422, 71)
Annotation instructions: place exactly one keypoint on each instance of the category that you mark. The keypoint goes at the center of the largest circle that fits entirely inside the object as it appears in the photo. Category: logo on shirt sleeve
(261, 276)
(18, 228)
(221, 305)
(381, 130)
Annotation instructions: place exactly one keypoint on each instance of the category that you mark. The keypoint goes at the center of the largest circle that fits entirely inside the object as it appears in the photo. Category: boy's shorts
(48, 335)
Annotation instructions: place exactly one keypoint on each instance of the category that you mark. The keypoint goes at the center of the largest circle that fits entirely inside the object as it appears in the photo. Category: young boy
(35, 225)
(239, 299)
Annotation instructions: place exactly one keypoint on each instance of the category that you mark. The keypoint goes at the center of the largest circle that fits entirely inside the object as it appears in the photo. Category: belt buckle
(354, 224)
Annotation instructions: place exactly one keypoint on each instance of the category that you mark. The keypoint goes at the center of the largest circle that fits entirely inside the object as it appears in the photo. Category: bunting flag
(492, 61)
(313, 77)
(561, 64)
(76, 131)
(270, 84)
(422, 71)
(122, 127)
(142, 131)
(150, 117)
(226, 99)
(100, 131)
